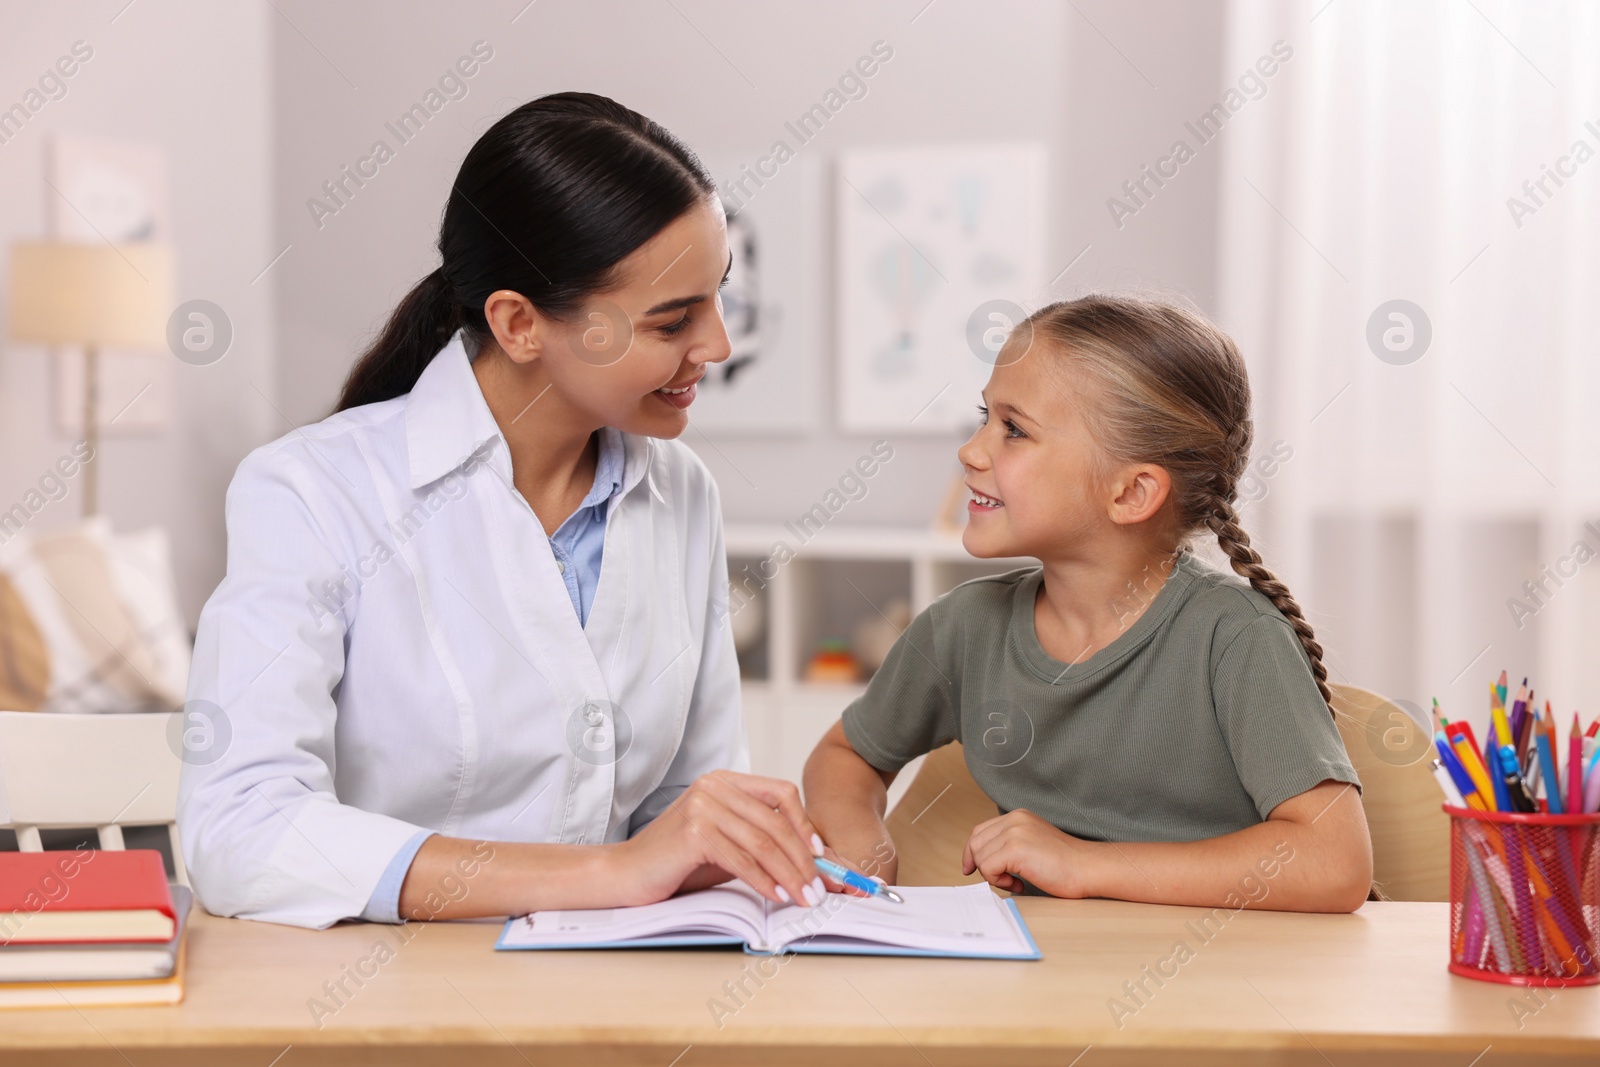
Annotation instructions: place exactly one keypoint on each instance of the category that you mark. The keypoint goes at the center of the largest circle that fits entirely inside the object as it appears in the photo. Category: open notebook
(966, 921)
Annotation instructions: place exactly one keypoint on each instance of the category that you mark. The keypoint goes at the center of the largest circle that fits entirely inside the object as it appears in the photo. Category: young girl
(1150, 728)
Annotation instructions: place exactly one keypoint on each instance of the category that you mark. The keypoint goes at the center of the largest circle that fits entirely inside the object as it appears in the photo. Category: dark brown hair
(546, 203)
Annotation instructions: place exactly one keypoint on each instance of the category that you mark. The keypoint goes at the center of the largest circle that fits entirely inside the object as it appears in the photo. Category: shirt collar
(609, 470)
(448, 420)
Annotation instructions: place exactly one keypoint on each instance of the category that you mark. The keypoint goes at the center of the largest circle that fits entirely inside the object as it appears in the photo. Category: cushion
(90, 622)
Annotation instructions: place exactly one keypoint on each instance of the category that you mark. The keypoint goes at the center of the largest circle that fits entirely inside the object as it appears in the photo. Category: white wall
(259, 104)
(194, 78)
(960, 72)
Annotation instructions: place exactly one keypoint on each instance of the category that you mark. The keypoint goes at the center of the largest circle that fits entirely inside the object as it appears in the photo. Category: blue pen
(845, 876)
(1458, 773)
(1515, 786)
(1552, 784)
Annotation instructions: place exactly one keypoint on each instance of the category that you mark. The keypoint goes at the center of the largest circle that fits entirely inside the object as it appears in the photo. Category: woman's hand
(839, 887)
(725, 825)
(1020, 845)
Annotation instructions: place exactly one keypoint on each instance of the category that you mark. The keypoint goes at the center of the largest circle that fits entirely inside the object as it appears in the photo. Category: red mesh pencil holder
(1525, 897)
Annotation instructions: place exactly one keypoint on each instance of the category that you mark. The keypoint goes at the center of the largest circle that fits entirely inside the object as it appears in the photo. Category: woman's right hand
(725, 825)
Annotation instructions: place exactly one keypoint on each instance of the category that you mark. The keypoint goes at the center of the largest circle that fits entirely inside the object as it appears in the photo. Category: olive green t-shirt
(1197, 721)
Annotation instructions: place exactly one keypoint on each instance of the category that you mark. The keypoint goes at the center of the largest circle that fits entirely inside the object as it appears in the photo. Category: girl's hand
(725, 825)
(1020, 845)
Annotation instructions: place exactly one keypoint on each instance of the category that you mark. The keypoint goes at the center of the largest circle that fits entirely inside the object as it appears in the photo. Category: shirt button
(561, 567)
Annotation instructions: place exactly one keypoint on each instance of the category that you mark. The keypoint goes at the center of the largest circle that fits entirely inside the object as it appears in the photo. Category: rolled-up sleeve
(263, 832)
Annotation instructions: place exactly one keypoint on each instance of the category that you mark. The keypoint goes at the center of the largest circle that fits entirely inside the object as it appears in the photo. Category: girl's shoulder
(1223, 603)
(979, 598)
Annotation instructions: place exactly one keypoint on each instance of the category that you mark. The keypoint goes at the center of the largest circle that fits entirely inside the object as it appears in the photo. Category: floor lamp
(94, 295)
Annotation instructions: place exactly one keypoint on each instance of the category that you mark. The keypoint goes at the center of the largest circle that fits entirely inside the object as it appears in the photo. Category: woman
(472, 645)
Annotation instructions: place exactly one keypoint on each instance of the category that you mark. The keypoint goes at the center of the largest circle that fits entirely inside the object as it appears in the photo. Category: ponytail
(416, 330)
(547, 203)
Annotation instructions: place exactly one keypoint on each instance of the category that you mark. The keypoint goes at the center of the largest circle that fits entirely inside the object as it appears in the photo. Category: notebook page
(955, 919)
(733, 910)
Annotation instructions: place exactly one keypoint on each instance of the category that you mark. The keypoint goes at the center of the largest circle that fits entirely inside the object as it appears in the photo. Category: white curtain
(1422, 493)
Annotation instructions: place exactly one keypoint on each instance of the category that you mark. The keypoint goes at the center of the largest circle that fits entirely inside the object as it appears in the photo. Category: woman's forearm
(453, 878)
(724, 825)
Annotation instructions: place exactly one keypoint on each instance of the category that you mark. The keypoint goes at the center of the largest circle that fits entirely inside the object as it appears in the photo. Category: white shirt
(393, 649)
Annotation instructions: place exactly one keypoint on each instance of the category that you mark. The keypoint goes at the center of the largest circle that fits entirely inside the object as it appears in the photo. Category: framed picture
(929, 240)
(770, 383)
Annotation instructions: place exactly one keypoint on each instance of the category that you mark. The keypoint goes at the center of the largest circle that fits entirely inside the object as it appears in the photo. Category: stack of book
(90, 927)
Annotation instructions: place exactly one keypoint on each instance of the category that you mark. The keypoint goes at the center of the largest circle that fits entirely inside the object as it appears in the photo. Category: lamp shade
(87, 294)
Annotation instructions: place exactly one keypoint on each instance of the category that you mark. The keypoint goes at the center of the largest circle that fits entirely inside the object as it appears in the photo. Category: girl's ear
(520, 330)
(1140, 492)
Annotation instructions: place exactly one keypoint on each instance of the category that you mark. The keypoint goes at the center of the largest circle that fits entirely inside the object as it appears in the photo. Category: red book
(84, 896)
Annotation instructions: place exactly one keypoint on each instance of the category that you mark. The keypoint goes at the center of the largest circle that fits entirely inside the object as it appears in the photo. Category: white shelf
(785, 722)
(838, 573)
(852, 542)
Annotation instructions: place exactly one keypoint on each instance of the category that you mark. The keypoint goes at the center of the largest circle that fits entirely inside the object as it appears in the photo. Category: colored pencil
(1467, 753)
(1575, 767)
(1552, 781)
(1591, 788)
(1490, 916)
(1502, 727)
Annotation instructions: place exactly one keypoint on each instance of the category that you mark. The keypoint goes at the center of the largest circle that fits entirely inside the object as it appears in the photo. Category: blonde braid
(1174, 391)
(1232, 539)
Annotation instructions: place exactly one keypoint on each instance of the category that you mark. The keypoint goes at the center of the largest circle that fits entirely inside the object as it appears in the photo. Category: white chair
(105, 771)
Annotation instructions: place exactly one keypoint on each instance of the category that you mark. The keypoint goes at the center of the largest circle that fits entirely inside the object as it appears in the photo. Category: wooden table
(1267, 988)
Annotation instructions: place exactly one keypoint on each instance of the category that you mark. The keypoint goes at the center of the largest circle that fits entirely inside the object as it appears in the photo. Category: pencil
(1591, 789)
(1491, 915)
(1519, 711)
(1575, 767)
(1502, 727)
(1470, 762)
(1552, 781)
